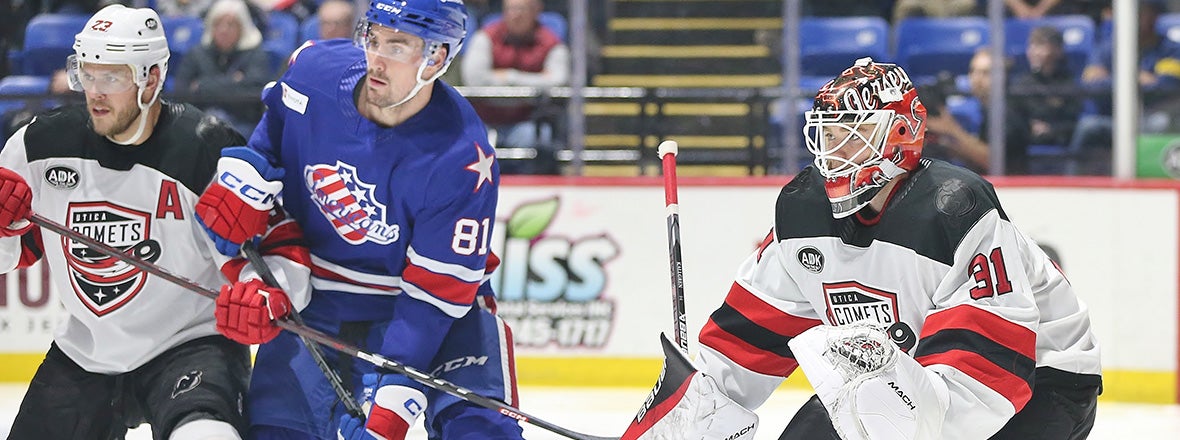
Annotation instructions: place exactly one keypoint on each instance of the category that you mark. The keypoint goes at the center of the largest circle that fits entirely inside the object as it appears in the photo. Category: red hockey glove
(246, 311)
(237, 204)
(393, 408)
(16, 202)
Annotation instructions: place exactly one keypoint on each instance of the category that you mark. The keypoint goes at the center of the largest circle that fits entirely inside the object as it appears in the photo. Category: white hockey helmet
(121, 35)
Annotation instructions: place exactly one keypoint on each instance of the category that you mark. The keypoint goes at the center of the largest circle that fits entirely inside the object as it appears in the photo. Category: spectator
(952, 142)
(1159, 81)
(932, 8)
(229, 65)
(1047, 94)
(337, 19)
(518, 51)
(1030, 9)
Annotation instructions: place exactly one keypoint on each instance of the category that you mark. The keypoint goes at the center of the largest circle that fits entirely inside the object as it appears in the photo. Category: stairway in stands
(704, 59)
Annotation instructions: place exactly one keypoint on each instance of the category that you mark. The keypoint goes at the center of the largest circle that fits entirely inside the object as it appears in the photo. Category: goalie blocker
(687, 404)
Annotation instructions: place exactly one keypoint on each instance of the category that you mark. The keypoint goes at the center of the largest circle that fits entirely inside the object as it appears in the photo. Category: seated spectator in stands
(903, 9)
(1159, 84)
(947, 139)
(1040, 8)
(337, 19)
(229, 67)
(517, 51)
(1048, 93)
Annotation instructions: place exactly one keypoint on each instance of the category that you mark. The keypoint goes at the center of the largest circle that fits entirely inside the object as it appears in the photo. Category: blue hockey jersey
(387, 213)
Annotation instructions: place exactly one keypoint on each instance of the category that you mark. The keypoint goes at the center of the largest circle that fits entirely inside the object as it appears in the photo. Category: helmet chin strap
(143, 116)
(420, 84)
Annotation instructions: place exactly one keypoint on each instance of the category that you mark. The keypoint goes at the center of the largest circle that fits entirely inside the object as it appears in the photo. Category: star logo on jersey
(347, 202)
(482, 166)
(104, 283)
(850, 301)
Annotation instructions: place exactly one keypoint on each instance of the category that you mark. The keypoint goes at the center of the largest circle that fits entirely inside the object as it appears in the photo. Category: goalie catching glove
(688, 405)
(392, 408)
(870, 389)
(236, 206)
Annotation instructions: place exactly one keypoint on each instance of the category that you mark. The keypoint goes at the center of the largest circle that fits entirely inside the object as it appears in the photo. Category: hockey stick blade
(315, 335)
(350, 404)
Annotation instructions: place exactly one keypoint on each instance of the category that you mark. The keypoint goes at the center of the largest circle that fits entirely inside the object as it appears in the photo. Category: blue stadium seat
(1168, 26)
(20, 85)
(183, 33)
(49, 40)
(282, 36)
(828, 45)
(310, 29)
(926, 46)
(1077, 31)
(552, 20)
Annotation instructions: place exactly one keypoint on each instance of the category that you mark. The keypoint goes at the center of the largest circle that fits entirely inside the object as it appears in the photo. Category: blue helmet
(437, 22)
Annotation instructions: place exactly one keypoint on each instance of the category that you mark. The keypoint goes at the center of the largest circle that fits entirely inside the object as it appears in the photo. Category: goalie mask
(866, 128)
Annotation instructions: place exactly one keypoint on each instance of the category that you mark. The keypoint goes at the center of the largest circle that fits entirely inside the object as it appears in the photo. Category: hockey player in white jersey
(126, 169)
(915, 307)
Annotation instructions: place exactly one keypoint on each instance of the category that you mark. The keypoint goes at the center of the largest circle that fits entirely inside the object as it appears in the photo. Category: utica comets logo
(102, 283)
(348, 203)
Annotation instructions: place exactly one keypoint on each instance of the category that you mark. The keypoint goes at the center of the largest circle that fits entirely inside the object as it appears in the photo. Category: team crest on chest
(850, 301)
(347, 202)
(102, 283)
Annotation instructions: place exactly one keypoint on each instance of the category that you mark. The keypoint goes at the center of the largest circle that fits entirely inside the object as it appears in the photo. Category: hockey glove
(392, 409)
(16, 203)
(246, 311)
(235, 207)
(687, 404)
(870, 389)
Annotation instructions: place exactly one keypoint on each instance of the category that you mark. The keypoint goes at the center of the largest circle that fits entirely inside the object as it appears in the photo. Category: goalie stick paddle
(667, 151)
(351, 405)
(316, 335)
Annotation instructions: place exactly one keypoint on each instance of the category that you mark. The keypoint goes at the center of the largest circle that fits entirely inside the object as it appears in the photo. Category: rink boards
(585, 279)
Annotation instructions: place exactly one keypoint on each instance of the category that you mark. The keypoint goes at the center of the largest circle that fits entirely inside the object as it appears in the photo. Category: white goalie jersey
(959, 288)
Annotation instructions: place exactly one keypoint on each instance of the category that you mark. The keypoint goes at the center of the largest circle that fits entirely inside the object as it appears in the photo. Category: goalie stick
(316, 335)
(667, 151)
(351, 405)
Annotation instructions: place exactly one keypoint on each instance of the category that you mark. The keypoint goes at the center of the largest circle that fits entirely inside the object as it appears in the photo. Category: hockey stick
(667, 151)
(317, 355)
(316, 335)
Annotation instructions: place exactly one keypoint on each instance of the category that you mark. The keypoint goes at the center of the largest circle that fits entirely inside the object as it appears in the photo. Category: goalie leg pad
(687, 404)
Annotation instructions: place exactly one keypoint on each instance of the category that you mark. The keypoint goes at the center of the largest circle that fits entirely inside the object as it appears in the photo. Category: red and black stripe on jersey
(997, 352)
(754, 334)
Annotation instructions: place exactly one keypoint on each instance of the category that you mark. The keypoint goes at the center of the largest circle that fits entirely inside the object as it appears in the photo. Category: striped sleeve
(744, 342)
(998, 353)
(753, 333)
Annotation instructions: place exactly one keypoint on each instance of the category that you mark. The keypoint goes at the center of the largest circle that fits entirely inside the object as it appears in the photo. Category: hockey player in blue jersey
(390, 176)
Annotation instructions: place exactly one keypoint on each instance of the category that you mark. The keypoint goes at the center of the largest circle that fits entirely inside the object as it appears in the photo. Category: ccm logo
(246, 190)
(513, 414)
